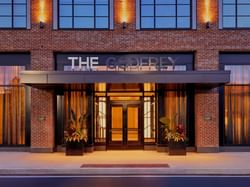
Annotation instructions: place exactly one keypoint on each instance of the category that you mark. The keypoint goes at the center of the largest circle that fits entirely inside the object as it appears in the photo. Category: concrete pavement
(224, 163)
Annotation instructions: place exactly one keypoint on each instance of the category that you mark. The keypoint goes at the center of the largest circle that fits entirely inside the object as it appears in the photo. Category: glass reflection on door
(117, 123)
(132, 123)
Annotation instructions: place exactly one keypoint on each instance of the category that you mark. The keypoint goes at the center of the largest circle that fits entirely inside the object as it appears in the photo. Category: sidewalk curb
(123, 171)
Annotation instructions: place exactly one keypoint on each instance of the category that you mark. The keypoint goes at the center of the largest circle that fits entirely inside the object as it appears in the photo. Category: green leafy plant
(171, 131)
(76, 131)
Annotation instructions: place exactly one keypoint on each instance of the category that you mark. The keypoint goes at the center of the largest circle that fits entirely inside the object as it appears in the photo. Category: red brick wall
(207, 120)
(206, 43)
(42, 121)
(202, 41)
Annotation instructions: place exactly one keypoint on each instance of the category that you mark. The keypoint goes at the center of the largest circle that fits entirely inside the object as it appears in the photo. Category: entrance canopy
(78, 77)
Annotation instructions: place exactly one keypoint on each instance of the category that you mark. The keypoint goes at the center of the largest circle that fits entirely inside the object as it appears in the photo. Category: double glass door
(125, 125)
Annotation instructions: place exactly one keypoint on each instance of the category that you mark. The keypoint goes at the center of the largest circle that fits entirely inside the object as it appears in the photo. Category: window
(237, 106)
(149, 102)
(84, 14)
(12, 106)
(13, 13)
(236, 13)
(165, 14)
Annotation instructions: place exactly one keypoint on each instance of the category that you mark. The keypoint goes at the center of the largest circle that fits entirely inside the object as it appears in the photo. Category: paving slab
(25, 163)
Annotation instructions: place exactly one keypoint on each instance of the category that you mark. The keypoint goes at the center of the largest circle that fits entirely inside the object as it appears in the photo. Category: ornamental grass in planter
(76, 134)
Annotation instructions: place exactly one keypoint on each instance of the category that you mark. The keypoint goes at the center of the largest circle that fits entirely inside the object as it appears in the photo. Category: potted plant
(175, 136)
(75, 134)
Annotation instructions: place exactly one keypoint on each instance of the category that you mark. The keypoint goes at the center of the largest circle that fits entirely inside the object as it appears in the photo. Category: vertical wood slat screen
(175, 105)
(77, 101)
(12, 107)
(237, 106)
(237, 118)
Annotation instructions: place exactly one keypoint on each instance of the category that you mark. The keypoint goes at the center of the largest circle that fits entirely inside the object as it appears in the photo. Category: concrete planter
(176, 148)
(74, 149)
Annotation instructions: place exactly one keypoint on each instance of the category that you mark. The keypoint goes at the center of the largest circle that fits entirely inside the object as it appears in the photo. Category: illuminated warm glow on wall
(42, 15)
(207, 12)
(123, 12)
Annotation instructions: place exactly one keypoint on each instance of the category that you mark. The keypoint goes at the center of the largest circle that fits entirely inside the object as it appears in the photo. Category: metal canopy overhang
(77, 77)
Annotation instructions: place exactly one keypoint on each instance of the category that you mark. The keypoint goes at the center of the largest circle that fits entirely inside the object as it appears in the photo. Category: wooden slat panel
(77, 101)
(12, 107)
(12, 116)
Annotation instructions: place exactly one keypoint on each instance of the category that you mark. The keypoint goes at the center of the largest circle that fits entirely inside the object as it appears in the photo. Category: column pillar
(207, 120)
(42, 121)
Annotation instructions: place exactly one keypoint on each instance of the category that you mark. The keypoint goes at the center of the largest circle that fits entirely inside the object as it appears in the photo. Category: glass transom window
(240, 74)
(84, 14)
(13, 13)
(236, 13)
(165, 14)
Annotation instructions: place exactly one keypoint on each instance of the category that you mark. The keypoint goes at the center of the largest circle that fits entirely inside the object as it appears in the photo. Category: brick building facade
(206, 45)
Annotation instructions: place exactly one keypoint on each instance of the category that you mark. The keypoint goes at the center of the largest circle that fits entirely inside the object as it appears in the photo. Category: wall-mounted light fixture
(208, 25)
(124, 25)
(42, 24)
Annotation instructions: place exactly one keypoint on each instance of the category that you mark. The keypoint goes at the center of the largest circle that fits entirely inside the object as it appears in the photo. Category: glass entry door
(125, 127)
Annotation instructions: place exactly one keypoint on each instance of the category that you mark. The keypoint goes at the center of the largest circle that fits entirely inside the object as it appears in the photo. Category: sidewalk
(23, 163)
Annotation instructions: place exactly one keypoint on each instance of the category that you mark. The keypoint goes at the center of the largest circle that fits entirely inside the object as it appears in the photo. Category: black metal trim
(63, 77)
(28, 116)
(221, 116)
(90, 110)
(190, 94)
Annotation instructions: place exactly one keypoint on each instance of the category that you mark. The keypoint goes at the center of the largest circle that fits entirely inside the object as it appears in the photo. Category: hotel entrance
(124, 115)
(125, 129)
(122, 96)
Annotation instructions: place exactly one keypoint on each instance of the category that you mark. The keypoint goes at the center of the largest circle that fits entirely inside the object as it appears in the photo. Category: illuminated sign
(83, 64)
(132, 63)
